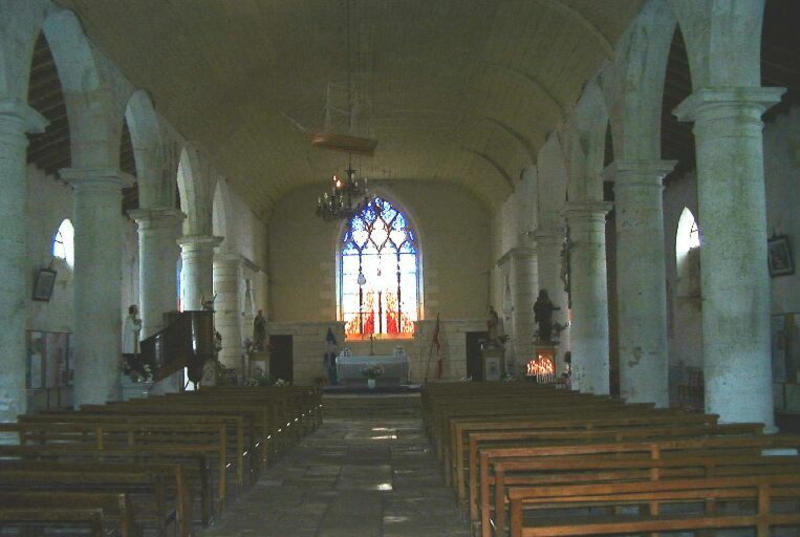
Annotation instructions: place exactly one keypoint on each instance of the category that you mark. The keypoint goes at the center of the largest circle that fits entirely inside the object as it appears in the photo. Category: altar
(351, 369)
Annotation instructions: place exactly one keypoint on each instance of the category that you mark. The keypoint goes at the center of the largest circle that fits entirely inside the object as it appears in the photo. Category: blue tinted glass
(399, 223)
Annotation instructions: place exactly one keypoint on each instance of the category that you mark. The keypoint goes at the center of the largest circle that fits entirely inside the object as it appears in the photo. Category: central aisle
(351, 478)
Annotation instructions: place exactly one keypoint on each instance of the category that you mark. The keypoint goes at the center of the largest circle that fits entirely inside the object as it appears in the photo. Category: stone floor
(351, 478)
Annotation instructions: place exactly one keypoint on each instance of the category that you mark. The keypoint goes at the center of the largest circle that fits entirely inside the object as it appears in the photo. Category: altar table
(395, 368)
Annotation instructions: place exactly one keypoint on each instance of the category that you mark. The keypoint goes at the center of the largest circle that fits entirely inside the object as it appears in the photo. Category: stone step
(372, 405)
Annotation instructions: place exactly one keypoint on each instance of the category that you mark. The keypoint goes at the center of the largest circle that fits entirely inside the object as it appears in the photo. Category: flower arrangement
(137, 369)
(372, 372)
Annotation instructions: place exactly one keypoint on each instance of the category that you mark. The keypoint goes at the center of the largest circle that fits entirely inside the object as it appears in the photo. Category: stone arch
(18, 34)
(634, 85)
(154, 160)
(584, 146)
(221, 213)
(95, 125)
(194, 187)
(715, 31)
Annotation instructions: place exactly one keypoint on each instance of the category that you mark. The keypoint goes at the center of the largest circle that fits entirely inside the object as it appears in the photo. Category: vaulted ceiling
(457, 90)
(460, 90)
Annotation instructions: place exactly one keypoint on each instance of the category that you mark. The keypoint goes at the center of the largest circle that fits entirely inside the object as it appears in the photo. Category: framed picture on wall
(779, 256)
(43, 288)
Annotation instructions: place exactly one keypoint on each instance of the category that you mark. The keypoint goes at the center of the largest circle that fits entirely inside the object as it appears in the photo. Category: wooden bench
(55, 517)
(60, 509)
(513, 427)
(176, 489)
(146, 491)
(194, 461)
(649, 499)
(519, 460)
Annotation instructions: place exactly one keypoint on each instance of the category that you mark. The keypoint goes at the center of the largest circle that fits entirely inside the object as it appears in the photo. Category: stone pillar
(641, 280)
(589, 332)
(16, 118)
(97, 284)
(733, 254)
(549, 243)
(158, 253)
(523, 285)
(227, 320)
(197, 269)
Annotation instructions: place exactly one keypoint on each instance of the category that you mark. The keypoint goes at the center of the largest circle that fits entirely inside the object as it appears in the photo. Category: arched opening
(49, 150)
(379, 273)
(687, 255)
(64, 243)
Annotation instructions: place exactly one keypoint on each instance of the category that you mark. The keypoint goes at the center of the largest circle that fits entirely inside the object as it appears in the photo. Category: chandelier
(348, 194)
(347, 197)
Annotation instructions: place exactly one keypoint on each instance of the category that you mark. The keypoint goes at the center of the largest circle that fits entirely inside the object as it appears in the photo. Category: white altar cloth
(395, 367)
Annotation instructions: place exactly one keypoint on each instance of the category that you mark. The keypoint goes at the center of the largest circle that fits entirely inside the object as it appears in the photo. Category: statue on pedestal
(543, 316)
(259, 331)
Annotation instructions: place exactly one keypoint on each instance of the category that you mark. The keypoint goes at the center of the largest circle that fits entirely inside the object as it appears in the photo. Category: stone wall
(308, 345)
(453, 230)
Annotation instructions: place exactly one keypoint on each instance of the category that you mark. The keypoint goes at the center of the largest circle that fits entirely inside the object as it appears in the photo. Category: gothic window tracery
(379, 273)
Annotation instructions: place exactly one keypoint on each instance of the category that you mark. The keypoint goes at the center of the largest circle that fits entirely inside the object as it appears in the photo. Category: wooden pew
(58, 509)
(512, 426)
(61, 518)
(150, 439)
(176, 490)
(763, 492)
(504, 461)
(194, 460)
(144, 490)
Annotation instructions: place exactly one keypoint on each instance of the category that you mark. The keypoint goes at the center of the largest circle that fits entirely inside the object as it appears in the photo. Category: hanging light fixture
(348, 194)
(347, 197)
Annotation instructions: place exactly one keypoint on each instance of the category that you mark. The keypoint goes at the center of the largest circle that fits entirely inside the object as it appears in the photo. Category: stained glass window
(379, 293)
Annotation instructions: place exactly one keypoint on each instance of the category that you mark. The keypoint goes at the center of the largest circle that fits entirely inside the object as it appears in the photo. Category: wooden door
(281, 363)
(474, 360)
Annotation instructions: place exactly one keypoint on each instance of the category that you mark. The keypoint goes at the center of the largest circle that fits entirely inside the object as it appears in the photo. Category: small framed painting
(779, 256)
(43, 288)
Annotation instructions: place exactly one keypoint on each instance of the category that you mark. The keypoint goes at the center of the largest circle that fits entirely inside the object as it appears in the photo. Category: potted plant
(372, 373)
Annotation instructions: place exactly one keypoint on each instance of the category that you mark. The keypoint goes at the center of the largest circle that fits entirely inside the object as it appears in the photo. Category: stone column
(16, 118)
(97, 284)
(641, 280)
(733, 254)
(523, 285)
(549, 243)
(158, 254)
(197, 268)
(589, 332)
(227, 320)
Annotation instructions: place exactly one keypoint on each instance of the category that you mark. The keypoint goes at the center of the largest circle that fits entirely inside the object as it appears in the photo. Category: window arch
(687, 254)
(379, 273)
(64, 243)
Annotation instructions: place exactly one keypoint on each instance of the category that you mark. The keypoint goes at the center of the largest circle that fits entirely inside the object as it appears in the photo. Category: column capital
(19, 112)
(156, 218)
(198, 242)
(93, 178)
(635, 172)
(587, 209)
(724, 102)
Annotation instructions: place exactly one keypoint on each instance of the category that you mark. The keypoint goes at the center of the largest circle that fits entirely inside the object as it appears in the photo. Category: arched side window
(379, 291)
(687, 255)
(64, 243)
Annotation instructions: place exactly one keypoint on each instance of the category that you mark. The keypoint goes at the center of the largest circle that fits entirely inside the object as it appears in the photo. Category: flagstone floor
(365, 477)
